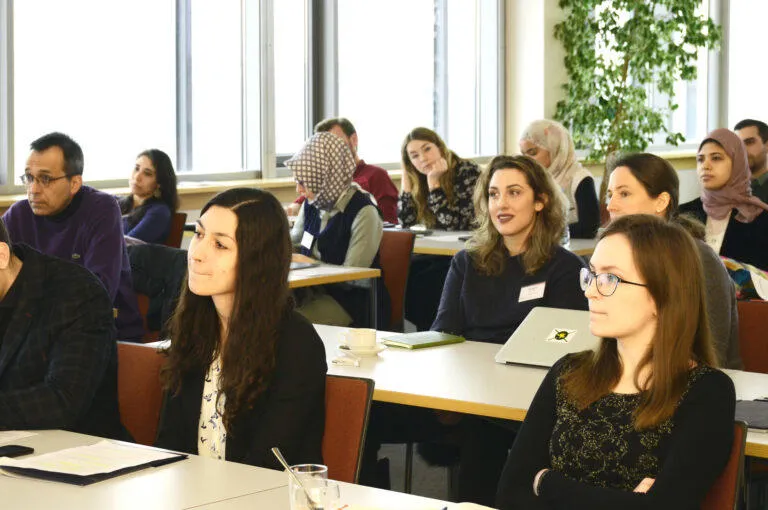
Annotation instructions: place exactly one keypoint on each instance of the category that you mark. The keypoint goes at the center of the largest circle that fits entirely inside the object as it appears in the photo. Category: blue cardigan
(154, 225)
(488, 308)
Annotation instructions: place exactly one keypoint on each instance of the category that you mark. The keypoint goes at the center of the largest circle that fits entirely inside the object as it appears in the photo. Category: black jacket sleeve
(530, 451)
(450, 316)
(588, 209)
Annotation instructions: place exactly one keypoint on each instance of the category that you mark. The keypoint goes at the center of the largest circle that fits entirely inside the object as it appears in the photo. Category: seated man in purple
(66, 219)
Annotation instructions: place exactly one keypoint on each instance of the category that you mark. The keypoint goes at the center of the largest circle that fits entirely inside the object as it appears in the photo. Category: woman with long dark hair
(148, 210)
(644, 420)
(245, 372)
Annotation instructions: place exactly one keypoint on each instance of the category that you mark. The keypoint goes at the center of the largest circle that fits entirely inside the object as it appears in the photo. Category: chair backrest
(139, 393)
(724, 493)
(347, 405)
(176, 233)
(143, 302)
(395, 258)
(753, 323)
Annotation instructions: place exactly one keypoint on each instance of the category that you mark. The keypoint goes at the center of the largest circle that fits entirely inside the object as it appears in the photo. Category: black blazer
(58, 357)
(745, 242)
(290, 414)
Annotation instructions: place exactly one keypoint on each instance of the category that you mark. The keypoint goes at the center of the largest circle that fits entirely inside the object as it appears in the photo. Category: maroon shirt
(376, 181)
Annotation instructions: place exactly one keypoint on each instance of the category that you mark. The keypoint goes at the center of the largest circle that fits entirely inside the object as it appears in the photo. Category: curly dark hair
(262, 300)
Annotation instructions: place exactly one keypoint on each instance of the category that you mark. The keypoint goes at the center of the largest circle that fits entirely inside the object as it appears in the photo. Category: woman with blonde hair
(549, 143)
(437, 184)
(644, 420)
(437, 192)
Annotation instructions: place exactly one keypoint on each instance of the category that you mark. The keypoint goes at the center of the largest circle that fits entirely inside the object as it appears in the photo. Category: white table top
(465, 378)
(356, 496)
(184, 484)
(327, 273)
(448, 243)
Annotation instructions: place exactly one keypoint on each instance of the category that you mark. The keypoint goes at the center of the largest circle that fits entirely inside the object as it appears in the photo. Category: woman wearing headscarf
(549, 143)
(337, 224)
(736, 222)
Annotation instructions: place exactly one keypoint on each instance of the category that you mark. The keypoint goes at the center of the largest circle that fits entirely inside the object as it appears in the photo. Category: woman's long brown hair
(262, 298)
(668, 262)
(487, 246)
(419, 188)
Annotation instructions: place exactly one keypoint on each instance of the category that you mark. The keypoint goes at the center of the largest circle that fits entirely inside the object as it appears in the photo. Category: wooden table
(448, 243)
(465, 378)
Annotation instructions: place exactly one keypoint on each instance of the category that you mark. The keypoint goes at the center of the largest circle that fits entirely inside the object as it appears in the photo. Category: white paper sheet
(102, 457)
(11, 436)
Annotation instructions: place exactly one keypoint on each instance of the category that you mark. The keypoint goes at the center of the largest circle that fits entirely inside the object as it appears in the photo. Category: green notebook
(421, 339)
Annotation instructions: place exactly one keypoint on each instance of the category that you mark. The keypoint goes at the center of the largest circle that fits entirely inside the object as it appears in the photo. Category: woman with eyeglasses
(645, 420)
(514, 263)
(148, 210)
(647, 184)
(736, 221)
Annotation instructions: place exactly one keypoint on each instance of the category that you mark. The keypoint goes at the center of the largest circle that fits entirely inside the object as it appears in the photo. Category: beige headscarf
(553, 137)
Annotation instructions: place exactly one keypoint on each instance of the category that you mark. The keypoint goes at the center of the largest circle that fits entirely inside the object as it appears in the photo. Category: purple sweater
(88, 232)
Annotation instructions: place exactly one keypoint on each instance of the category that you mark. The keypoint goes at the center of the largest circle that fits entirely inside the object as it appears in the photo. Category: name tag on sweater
(306, 240)
(535, 291)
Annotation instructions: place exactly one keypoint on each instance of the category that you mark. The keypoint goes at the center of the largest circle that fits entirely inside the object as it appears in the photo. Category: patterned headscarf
(553, 137)
(737, 192)
(324, 166)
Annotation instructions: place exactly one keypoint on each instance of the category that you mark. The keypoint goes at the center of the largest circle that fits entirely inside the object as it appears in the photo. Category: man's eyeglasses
(44, 180)
(606, 283)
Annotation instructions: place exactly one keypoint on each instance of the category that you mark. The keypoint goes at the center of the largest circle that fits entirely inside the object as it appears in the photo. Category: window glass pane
(747, 72)
(216, 82)
(462, 77)
(290, 75)
(386, 72)
(102, 72)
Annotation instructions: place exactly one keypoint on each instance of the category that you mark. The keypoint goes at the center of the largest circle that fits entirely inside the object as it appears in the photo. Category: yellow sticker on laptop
(561, 336)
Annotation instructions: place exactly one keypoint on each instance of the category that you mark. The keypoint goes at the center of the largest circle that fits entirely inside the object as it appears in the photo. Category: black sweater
(488, 308)
(597, 458)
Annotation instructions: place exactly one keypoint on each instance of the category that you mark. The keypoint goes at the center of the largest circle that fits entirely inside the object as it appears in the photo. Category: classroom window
(423, 63)
(109, 85)
(747, 73)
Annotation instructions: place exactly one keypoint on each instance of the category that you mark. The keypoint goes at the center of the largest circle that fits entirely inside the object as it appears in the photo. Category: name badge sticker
(306, 240)
(535, 291)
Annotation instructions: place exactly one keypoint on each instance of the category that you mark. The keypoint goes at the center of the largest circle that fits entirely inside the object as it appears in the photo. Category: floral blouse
(456, 216)
(212, 438)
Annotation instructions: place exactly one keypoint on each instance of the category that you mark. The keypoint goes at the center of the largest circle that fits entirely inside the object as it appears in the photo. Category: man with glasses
(64, 218)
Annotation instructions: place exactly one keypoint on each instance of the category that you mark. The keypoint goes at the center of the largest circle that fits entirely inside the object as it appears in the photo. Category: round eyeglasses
(606, 283)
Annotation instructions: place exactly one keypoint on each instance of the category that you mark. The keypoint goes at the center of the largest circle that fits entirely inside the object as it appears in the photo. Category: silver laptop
(546, 335)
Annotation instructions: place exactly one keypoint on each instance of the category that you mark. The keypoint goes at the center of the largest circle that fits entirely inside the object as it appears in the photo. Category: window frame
(321, 98)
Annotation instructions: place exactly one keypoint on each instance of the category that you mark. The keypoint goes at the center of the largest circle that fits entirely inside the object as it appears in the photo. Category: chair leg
(408, 468)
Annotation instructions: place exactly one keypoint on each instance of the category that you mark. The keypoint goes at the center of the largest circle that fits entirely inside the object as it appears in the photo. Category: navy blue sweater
(487, 308)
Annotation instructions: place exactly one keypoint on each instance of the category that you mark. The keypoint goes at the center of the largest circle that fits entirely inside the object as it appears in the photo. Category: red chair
(176, 233)
(753, 339)
(724, 493)
(395, 258)
(347, 406)
(139, 393)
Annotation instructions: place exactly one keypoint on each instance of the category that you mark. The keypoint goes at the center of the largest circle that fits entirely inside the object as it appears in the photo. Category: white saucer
(363, 352)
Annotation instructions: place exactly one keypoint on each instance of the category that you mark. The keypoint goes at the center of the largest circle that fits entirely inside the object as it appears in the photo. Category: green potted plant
(614, 51)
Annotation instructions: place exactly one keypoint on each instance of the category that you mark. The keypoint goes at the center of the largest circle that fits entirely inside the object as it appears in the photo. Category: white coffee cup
(359, 338)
